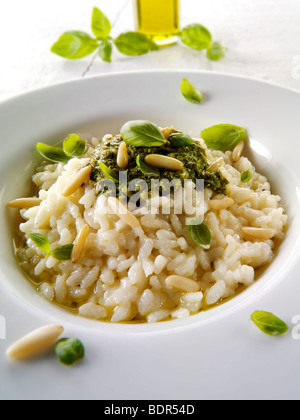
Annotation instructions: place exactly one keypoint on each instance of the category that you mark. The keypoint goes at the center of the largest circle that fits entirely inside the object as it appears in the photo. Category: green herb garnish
(134, 43)
(179, 140)
(108, 173)
(142, 133)
(269, 323)
(63, 253)
(41, 241)
(74, 147)
(69, 350)
(223, 136)
(247, 175)
(74, 45)
(196, 36)
(200, 233)
(215, 51)
(190, 93)
(100, 24)
(146, 169)
(55, 154)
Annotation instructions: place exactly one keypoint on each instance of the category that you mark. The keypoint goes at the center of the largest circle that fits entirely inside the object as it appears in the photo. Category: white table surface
(263, 37)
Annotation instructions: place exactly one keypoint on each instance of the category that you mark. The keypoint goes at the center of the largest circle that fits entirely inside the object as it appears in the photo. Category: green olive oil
(158, 19)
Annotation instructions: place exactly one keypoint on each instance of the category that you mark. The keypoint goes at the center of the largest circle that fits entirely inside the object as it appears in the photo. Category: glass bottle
(158, 19)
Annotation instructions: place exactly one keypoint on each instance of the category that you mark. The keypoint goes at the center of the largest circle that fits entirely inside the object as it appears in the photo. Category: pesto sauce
(192, 156)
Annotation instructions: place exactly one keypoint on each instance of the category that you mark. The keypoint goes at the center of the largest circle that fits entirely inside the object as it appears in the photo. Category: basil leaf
(178, 140)
(146, 169)
(52, 153)
(142, 133)
(105, 51)
(200, 233)
(108, 173)
(101, 25)
(190, 92)
(269, 323)
(223, 136)
(63, 253)
(41, 241)
(74, 45)
(75, 147)
(134, 43)
(247, 175)
(69, 350)
(215, 51)
(196, 36)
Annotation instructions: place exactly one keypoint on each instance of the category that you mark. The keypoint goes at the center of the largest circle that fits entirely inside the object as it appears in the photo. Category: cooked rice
(121, 275)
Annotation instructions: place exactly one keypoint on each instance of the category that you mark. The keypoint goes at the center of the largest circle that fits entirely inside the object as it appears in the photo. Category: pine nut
(122, 158)
(182, 283)
(34, 342)
(24, 203)
(213, 167)
(166, 162)
(166, 132)
(221, 204)
(79, 243)
(120, 210)
(81, 176)
(237, 151)
(259, 233)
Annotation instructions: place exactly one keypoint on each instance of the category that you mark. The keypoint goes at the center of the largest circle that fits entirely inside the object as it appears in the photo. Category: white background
(263, 37)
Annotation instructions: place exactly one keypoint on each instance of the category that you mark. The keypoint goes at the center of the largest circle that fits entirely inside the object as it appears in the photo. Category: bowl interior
(50, 115)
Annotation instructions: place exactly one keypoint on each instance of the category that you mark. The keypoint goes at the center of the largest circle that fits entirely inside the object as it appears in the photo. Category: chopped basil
(196, 36)
(108, 173)
(190, 93)
(247, 175)
(146, 169)
(74, 147)
(223, 136)
(54, 154)
(200, 233)
(63, 253)
(134, 43)
(269, 323)
(41, 241)
(142, 133)
(69, 350)
(179, 140)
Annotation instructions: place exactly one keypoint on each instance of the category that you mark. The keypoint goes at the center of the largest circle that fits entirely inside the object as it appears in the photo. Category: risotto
(85, 249)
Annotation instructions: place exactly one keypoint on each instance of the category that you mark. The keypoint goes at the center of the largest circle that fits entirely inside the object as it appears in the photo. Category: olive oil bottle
(158, 19)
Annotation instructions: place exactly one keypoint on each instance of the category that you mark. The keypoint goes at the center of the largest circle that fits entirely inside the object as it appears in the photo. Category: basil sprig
(142, 133)
(269, 323)
(73, 146)
(74, 45)
(62, 253)
(190, 92)
(223, 136)
(200, 233)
